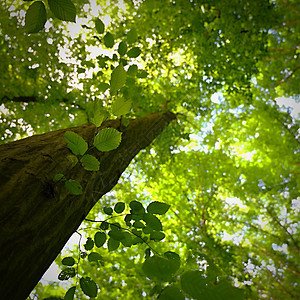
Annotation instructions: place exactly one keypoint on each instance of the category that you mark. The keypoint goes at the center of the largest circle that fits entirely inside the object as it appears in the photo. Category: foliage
(212, 208)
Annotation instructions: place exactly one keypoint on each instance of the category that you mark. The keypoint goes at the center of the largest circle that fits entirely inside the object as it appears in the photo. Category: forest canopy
(210, 210)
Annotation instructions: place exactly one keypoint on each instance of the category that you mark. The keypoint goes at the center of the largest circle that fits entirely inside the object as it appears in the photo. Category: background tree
(228, 165)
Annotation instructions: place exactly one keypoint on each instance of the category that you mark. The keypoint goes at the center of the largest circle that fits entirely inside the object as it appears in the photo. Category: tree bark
(38, 216)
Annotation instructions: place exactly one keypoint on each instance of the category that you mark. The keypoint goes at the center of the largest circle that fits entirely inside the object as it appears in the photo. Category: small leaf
(58, 177)
(119, 207)
(99, 26)
(131, 36)
(112, 244)
(157, 235)
(107, 139)
(157, 207)
(147, 253)
(142, 74)
(127, 239)
(121, 107)
(100, 239)
(153, 222)
(171, 292)
(75, 143)
(134, 52)
(74, 187)
(70, 293)
(89, 287)
(108, 210)
(132, 70)
(35, 17)
(89, 245)
(103, 87)
(109, 40)
(122, 48)
(68, 261)
(63, 9)
(104, 225)
(66, 273)
(118, 79)
(159, 268)
(90, 162)
(138, 224)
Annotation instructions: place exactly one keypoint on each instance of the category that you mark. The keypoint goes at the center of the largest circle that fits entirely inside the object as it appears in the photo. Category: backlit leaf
(89, 245)
(153, 222)
(118, 79)
(100, 239)
(119, 207)
(99, 26)
(63, 9)
(70, 293)
(109, 40)
(35, 17)
(157, 207)
(75, 142)
(90, 162)
(121, 107)
(68, 261)
(107, 139)
(89, 287)
(132, 36)
(171, 292)
(122, 48)
(112, 244)
(66, 273)
(134, 52)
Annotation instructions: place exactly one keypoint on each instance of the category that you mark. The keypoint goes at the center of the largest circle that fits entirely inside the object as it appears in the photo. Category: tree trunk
(38, 216)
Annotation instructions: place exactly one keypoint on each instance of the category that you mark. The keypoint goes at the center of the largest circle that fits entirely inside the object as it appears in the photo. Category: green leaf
(95, 257)
(75, 143)
(89, 287)
(35, 17)
(68, 261)
(103, 87)
(127, 239)
(118, 79)
(173, 256)
(90, 162)
(66, 273)
(119, 207)
(63, 9)
(99, 113)
(89, 245)
(171, 292)
(157, 235)
(142, 74)
(109, 40)
(157, 207)
(134, 52)
(100, 239)
(159, 268)
(112, 244)
(122, 48)
(132, 36)
(121, 107)
(138, 224)
(193, 283)
(116, 234)
(107, 139)
(104, 225)
(58, 177)
(137, 207)
(74, 187)
(153, 222)
(99, 26)
(70, 293)
(132, 70)
(108, 210)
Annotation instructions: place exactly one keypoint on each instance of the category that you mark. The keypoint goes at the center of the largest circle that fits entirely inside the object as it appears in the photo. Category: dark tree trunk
(37, 216)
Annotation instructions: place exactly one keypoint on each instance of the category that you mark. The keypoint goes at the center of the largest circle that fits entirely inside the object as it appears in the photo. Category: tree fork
(38, 216)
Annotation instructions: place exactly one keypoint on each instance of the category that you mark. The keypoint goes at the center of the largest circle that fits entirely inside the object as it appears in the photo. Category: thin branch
(289, 76)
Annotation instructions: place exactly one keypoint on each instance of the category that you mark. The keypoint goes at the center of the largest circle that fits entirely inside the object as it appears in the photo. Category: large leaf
(63, 9)
(107, 139)
(159, 268)
(89, 287)
(171, 292)
(75, 143)
(70, 293)
(193, 283)
(74, 187)
(35, 17)
(118, 79)
(100, 239)
(121, 107)
(112, 244)
(157, 207)
(90, 162)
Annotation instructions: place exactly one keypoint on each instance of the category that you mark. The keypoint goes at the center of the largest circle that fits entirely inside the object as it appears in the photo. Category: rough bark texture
(37, 216)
